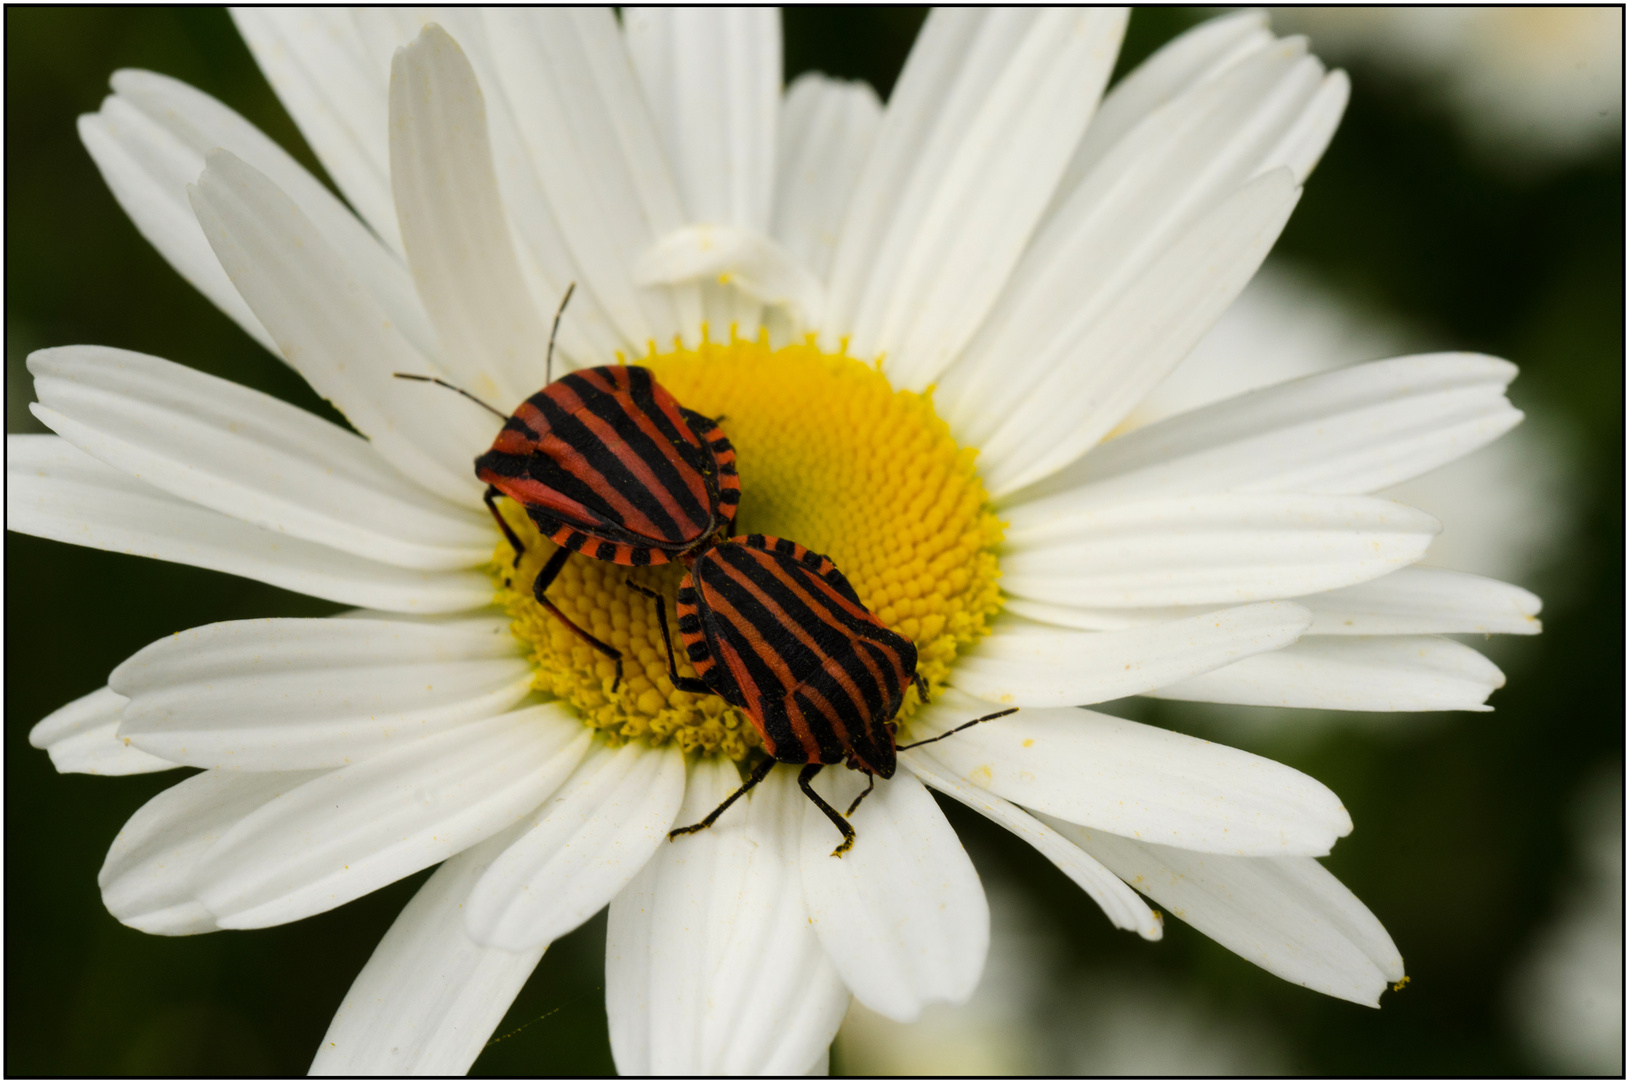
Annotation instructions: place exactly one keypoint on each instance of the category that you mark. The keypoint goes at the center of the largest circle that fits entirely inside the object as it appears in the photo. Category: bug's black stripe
(700, 458)
(721, 634)
(598, 453)
(870, 678)
(893, 661)
(833, 627)
(503, 464)
(844, 697)
(815, 713)
(514, 423)
(615, 474)
(768, 628)
(613, 409)
(777, 726)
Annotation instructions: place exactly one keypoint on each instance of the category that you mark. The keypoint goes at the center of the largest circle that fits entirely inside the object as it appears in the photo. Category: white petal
(360, 828)
(711, 79)
(429, 998)
(59, 492)
(1134, 780)
(1282, 326)
(82, 737)
(750, 261)
(273, 694)
(146, 878)
(1288, 915)
(1413, 600)
(1220, 549)
(1095, 369)
(1371, 674)
(1302, 146)
(1118, 901)
(1191, 59)
(587, 337)
(333, 333)
(902, 914)
(1194, 62)
(1156, 187)
(596, 156)
(827, 130)
(710, 965)
(1345, 432)
(1419, 600)
(321, 69)
(248, 455)
(147, 169)
(1035, 665)
(985, 116)
(202, 124)
(454, 226)
(579, 849)
(543, 258)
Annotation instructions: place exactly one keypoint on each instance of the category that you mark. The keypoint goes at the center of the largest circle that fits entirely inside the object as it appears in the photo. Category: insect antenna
(442, 382)
(962, 727)
(548, 371)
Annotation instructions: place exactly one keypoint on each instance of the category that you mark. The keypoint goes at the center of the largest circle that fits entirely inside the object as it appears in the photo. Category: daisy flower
(1504, 511)
(922, 325)
(1533, 87)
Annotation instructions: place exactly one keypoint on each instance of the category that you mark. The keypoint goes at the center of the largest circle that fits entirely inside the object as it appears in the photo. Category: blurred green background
(1463, 846)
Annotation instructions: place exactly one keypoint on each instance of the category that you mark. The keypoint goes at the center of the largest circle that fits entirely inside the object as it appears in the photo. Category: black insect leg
(752, 781)
(962, 727)
(546, 578)
(502, 523)
(804, 779)
(922, 689)
(681, 682)
(862, 795)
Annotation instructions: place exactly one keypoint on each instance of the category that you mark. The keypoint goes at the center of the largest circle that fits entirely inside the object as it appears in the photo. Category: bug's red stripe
(529, 492)
(811, 731)
(616, 443)
(779, 571)
(747, 686)
(579, 465)
(790, 613)
(641, 455)
(677, 425)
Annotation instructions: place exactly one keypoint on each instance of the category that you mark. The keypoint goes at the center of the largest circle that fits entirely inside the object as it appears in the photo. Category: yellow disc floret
(831, 456)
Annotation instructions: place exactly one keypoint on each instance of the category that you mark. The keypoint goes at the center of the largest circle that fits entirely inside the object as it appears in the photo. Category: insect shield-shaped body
(608, 464)
(776, 630)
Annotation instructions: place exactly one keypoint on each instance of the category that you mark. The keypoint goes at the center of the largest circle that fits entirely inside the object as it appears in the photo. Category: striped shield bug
(776, 630)
(607, 463)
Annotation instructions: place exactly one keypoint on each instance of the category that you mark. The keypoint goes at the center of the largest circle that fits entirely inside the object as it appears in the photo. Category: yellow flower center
(830, 456)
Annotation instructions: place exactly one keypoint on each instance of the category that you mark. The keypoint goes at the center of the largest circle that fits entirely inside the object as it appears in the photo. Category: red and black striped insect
(607, 463)
(776, 630)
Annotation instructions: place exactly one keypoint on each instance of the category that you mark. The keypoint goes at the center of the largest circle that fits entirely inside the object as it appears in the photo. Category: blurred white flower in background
(1035, 1012)
(1543, 82)
(1567, 998)
(1504, 509)
(1129, 1024)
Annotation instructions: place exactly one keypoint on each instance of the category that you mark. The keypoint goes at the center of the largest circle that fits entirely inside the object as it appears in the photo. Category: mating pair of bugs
(609, 465)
